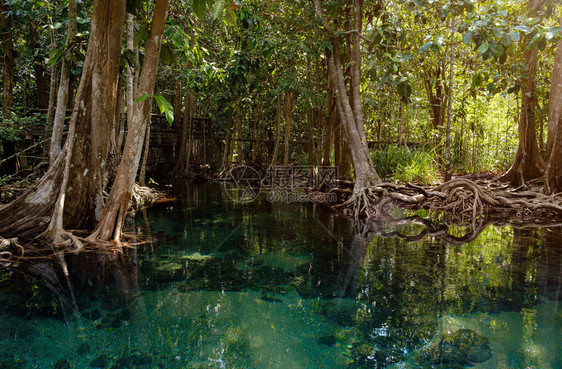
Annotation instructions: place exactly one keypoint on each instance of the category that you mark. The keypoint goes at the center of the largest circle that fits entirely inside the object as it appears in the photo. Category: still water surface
(224, 285)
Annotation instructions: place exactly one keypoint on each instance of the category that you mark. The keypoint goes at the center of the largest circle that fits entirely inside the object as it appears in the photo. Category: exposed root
(460, 199)
(61, 239)
(145, 196)
(10, 249)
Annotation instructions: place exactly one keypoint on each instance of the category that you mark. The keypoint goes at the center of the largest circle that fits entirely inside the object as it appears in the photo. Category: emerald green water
(215, 284)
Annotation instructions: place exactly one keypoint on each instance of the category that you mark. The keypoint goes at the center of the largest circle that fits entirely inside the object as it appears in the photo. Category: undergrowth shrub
(404, 164)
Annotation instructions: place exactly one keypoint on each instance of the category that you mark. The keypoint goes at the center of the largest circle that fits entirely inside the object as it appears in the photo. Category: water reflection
(212, 283)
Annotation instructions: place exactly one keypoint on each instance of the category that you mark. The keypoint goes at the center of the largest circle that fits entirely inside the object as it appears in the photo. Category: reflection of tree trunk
(522, 239)
(349, 276)
(528, 163)
(550, 270)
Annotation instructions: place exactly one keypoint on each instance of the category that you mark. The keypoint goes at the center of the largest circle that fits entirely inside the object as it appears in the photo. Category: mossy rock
(463, 347)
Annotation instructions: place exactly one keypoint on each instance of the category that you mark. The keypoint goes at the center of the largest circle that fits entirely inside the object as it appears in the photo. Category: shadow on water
(214, 283)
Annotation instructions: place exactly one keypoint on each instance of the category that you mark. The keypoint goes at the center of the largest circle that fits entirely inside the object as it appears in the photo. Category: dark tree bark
(8, 63)
(38, 68)
(528, 163)
(289, 103)
(277, 130)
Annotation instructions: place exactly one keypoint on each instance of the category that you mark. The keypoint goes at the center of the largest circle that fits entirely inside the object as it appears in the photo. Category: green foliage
(16, 127)
(164, 106)
(405, 164)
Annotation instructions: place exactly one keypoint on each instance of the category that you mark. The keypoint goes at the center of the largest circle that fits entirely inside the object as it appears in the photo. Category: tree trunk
(176, 125)
(555, 99)
(449, 107)
(145, 153)
(181, 168)
(119, 124)
(277, 131)
(131, 70)
(38, 68)
(351, 110)
(289, 102)
(331, 118)
(111, 223)
(400, 123)
(528, 163)
(64, 86)
(83, 164)
(227, 147)
(553, 173)
(8, 63)
(238, 137)
(52, 96)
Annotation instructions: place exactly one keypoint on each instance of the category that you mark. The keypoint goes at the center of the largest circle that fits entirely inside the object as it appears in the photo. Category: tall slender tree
(349, 105)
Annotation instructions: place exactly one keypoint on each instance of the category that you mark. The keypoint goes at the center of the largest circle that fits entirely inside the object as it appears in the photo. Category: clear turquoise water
(212, 283)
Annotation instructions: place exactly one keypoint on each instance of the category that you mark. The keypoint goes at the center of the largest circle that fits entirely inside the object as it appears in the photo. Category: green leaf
(498, 50)
(167, 55)
(165, 107)
(483, 48)
(231, 16)
(467, 37)
(199, 8)
(425, 46)
(524, 29)
(140, 35)
(218, 7)
(142, 97)
(514, 36)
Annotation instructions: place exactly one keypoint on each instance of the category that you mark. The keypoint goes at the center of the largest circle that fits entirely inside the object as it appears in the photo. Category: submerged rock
(196, 256)
(266, 296)
(135, 359)
(94, 314)
(168, 267)
(100, 362)
(62, 364)
(340, 310)
(327, 340)
(83, 349)
(462, 347)
(306, 291)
